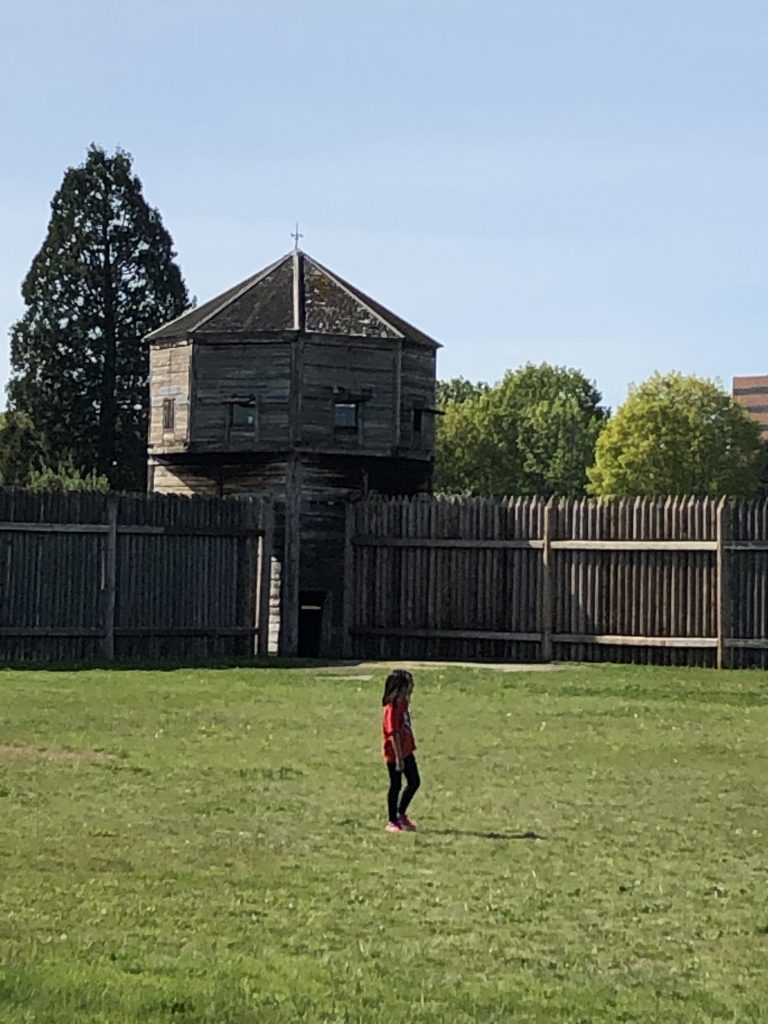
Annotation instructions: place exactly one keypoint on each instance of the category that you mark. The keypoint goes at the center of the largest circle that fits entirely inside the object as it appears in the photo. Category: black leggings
(411, 772)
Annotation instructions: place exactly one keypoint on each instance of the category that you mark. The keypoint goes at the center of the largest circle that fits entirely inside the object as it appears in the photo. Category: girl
(399, 746)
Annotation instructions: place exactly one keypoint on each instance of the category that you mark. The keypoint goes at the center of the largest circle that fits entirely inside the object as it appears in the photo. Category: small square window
(418, 417)
(169, 413)
(242, 416)
(345, 415)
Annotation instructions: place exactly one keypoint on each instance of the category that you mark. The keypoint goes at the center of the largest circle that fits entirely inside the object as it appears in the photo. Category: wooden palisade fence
(679, 581)
(87, 576)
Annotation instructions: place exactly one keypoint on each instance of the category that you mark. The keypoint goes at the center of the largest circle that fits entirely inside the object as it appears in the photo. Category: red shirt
(396, 721)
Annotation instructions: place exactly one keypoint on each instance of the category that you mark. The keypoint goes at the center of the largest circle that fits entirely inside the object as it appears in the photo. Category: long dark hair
(396, 680)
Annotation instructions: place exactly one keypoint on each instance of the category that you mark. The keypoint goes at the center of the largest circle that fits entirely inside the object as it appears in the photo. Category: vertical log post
(723, 587)
(546, 582)
(264, 578)
(110, 581)
(289, 618)
(349, 583)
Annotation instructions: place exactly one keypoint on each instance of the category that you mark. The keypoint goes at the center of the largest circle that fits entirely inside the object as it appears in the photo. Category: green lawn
(216, 850)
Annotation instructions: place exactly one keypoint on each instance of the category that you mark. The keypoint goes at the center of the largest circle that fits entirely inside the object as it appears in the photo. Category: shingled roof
(294, 293)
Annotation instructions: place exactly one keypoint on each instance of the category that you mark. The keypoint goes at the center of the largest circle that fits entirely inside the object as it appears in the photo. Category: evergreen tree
(103, 279)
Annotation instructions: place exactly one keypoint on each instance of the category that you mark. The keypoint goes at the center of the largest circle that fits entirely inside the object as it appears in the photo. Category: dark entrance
(311, 605)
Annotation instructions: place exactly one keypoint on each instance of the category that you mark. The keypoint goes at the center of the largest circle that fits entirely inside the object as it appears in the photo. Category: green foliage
(678, 434)
(207, 846)
(104, 277)
(21, 448)
(533, 433)
(458, 389)
(65, 476)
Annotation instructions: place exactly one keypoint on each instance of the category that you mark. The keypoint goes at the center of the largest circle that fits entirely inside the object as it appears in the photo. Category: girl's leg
(395, 781)
(411, 770)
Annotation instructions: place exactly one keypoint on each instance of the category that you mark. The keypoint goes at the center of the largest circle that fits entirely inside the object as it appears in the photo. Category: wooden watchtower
(294, 384)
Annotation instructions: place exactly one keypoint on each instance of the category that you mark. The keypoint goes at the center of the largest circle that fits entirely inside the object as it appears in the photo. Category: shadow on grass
(479, 835)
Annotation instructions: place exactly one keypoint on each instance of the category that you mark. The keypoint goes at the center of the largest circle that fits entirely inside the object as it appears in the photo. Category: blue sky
(574, 182)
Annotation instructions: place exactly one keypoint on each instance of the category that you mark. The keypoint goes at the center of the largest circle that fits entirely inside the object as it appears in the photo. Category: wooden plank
(159, 531)
(291, 563)
(182, 631)
(54, 528)
(546, 583)
(635, 545)
(439, 542)
(246, 532)
(44, 632)
(397, 394)
(265, 575)
(556, 545)
(348, 607)
(635, 641)
(723, 587)
(110, 581)
(445, 634)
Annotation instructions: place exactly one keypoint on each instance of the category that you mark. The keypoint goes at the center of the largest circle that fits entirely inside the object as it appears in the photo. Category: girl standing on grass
(399, 747)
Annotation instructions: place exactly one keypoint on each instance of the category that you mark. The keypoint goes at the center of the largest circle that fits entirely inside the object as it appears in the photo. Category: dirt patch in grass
(55, 755)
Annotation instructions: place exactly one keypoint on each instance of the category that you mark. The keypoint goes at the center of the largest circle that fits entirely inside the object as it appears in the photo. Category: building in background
(293, 384)
(752, 393)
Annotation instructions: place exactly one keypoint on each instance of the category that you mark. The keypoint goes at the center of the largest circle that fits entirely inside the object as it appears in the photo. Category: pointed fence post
(546, 582)
(110, 581)
(723, 587)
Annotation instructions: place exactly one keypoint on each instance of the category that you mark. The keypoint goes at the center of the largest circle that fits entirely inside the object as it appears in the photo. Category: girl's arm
(398, 751)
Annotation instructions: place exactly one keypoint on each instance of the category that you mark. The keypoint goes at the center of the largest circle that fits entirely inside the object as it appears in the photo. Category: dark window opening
(242, 417)
(346, 415)
(311, 607)
(417, 420)
(169, 413)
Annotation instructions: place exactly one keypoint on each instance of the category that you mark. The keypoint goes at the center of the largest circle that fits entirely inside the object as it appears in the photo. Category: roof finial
(296, 235)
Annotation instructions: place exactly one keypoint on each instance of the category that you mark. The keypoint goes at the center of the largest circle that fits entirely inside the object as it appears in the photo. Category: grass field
(201, 845)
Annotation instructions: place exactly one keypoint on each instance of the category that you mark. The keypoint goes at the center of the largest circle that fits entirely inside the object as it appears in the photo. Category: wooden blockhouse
(294, 384)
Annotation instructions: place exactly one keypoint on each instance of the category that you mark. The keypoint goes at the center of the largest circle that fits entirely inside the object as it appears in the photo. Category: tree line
(543, 430)
(106, 275)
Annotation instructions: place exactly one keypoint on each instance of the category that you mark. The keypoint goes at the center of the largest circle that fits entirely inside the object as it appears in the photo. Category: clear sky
(574, 181)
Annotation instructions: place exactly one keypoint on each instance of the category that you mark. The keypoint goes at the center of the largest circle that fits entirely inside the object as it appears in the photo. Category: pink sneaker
(406, 823)
(394, 826)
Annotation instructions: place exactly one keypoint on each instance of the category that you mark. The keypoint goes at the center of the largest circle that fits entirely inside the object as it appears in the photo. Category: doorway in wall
(312, 624)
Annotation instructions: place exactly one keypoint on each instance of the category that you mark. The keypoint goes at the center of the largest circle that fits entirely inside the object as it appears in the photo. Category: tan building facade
(752, 393)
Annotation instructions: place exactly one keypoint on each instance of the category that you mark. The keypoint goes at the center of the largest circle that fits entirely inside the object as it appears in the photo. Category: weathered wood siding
(179, 479)
(417, 392)
(293, 383)
(169, 378)
(358, 370)
(312, 557)
(231, 371)
(88, 576)
(679, 581)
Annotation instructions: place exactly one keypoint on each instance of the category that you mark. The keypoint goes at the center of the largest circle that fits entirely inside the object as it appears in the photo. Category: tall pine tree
(103, 279)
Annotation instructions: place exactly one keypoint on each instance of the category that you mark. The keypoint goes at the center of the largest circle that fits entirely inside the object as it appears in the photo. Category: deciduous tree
(678, 434)
(533, 433)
